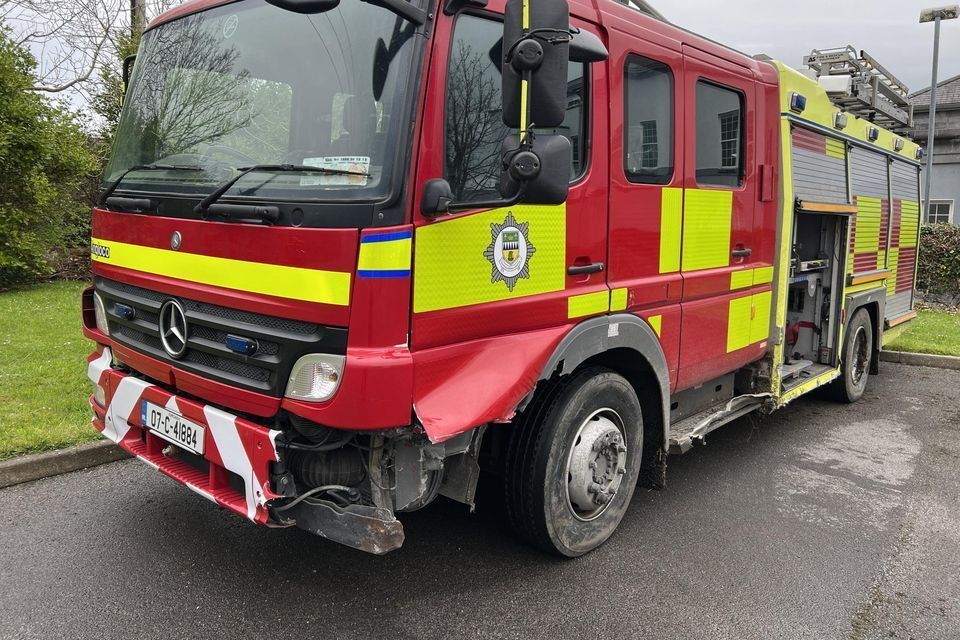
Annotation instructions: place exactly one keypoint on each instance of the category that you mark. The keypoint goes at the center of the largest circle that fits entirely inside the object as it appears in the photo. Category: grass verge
(936, 332)
(43, 382)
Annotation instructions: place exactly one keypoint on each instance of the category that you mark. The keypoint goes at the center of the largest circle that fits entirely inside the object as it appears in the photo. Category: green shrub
(44, 158)
(939, 269)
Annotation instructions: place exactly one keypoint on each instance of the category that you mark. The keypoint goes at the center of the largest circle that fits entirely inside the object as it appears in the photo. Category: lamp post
(935, 16)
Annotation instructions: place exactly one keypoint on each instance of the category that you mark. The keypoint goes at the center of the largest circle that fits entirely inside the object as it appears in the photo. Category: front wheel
(572, 462)
(856, 357)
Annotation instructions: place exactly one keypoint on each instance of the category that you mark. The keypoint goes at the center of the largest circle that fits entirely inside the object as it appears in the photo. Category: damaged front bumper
(239, 464)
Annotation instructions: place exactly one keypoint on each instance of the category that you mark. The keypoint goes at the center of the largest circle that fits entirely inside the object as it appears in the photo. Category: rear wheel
(572, 462)
(857, 355)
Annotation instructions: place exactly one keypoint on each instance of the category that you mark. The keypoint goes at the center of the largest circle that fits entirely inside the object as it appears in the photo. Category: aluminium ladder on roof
(872, 92)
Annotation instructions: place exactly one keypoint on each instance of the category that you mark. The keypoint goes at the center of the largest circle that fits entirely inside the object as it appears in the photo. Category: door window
(720, 138)
(648, 98)
(474, 127)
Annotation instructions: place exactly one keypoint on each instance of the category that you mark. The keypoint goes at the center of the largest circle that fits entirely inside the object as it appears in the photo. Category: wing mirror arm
(438, 200)
(127, 68)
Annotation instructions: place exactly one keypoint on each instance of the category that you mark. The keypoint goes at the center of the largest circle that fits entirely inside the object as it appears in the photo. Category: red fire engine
(352, 253)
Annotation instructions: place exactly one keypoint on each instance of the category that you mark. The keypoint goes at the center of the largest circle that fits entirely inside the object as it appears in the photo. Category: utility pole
(934, 16)
(138, 17)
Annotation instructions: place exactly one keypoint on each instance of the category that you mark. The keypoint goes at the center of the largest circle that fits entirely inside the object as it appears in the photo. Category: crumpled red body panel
(465, 385)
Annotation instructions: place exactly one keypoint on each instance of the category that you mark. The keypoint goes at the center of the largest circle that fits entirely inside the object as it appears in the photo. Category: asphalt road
(821, 521)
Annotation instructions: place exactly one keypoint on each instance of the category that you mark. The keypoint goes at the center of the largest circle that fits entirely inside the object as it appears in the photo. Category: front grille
(280, 341)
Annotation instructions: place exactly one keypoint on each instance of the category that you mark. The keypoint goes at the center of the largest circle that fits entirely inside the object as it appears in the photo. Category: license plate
(172, 427)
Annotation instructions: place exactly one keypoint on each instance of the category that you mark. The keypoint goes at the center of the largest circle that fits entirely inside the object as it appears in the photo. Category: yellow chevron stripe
(295, 283)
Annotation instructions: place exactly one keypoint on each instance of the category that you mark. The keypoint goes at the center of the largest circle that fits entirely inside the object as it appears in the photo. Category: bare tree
(74, 39)
(475, 129)
(188, 93)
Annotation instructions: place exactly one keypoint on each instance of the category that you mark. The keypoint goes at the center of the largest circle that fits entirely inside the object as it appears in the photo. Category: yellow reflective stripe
(893, 260)
(452, 270)
(618, 300)
(738, 323)
(707, 216)
(671, 219)
(588, 304)
(296, 283)
(656, 323)
(909, 223)
(741, 279)
(836, 148)
(393, 255)
(867, 233)
(748, 320)
(750, 277)
(762, 275)
(760, 318)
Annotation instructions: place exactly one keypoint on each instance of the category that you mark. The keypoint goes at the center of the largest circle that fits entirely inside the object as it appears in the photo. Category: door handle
(582, 269)
(741, 253)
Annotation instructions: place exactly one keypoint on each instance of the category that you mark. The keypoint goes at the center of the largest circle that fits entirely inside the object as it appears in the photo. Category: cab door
(646, 179)
(724, 324)
(493, 272)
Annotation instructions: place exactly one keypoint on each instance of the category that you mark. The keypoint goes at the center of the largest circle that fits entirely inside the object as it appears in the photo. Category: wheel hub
(596, 465)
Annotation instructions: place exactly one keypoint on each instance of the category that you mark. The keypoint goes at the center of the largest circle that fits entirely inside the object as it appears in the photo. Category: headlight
(315, 377)
(101, 314)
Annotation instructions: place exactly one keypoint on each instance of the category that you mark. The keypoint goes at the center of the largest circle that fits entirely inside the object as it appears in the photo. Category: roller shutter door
(868, 178)
(819, 167)
(904, 236)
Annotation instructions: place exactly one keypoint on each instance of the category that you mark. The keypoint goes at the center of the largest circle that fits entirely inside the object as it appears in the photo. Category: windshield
(248, 84)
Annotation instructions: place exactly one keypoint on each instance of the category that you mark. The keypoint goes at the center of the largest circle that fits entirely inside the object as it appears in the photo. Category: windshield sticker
(354, 164)
(230, 26)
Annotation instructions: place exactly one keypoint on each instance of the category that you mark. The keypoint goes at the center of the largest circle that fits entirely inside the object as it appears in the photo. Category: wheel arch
(874, 302)
(628, 345)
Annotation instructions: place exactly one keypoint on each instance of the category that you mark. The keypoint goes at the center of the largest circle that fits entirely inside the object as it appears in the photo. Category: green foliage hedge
(939, 272)
(45, 159)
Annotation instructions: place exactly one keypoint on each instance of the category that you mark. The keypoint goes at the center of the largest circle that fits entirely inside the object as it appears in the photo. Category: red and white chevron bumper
(234, 470)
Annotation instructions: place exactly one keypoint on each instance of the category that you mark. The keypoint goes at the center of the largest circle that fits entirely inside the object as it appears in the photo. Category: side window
(474, 127)
(720, 138)
(648, 144)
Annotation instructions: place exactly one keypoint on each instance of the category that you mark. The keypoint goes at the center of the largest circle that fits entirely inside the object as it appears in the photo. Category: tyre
(855, 359)
(572, 462)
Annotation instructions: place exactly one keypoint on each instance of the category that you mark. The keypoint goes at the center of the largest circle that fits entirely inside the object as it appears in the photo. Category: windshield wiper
(265, 213)
(143, 167)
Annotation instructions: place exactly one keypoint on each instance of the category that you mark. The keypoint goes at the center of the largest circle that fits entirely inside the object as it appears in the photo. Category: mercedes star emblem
(173, 328)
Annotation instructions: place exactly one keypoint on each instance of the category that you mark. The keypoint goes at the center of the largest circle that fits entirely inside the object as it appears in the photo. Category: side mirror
(436, 198)
(541, 172)
(127, 69)
(536, 52)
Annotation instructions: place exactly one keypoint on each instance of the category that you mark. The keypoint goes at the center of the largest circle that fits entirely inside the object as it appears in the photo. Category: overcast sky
(888, 30)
